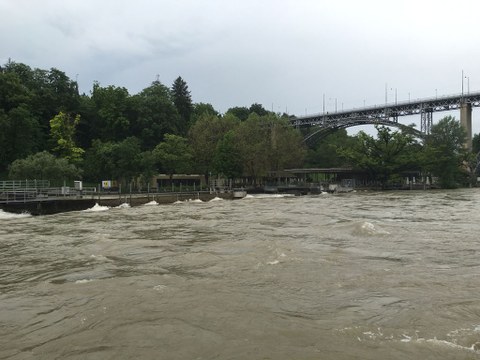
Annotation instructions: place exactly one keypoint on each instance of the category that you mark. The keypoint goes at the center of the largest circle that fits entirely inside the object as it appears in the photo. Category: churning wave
(97, 208)
(367, 228)
(462, 340)
(151, 203)
(123, 206)
(6, 215)
(267, 196)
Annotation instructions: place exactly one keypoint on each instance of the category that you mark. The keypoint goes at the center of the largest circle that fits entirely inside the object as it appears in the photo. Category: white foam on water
(274, 262)
(448, 344)
(178, 202)
(159, 287)
(83, 281)
(151, 203)
(268, 196)
(367, 228)
(216, 198)
(97, 208)
(99, 258)
(6, 215)
(196, 201)
(123, 206)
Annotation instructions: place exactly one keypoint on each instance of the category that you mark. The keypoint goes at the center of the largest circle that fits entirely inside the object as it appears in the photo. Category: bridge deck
(386, 112)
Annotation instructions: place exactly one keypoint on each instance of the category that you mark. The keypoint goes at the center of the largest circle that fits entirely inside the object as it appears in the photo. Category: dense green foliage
(43, 166)
(442, 155)
(385, 157)
(49, 130)
(325, 154)
(111, 134)
(445, 154)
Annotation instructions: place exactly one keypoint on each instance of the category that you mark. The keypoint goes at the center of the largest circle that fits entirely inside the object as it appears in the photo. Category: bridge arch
(323, 130)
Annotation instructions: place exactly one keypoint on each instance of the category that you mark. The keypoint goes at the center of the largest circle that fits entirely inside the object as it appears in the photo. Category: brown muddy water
(366, 275)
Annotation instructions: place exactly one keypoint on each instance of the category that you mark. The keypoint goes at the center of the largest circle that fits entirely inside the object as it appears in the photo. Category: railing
(24, 192)
(23, 184)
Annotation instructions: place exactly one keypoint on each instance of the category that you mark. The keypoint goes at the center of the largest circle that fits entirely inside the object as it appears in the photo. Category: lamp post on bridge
(468, 83)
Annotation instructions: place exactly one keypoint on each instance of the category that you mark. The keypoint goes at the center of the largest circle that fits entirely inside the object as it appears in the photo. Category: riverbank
(58, 205)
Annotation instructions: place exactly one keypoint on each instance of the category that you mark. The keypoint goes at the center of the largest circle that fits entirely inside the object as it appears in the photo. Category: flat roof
(322, 170)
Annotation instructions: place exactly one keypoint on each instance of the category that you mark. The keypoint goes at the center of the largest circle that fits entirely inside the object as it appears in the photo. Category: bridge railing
(468, 96)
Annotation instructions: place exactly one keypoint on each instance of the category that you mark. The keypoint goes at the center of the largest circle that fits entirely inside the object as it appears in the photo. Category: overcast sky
(280, 53)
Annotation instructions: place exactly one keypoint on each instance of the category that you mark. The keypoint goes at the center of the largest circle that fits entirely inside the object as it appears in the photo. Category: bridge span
(388, 114)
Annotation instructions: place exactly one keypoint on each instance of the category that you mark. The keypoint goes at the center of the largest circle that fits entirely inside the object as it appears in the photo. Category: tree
(323, 153)
(204, 136)
(43, 93)
(227, 161)
(476, 144)
(258, 109)
(173, 154)
(183, 102)
(43, 166)
(86, 131)
(156, 115)
(201, 109)
(287, 149)
(62, 132)
(241, 113)
(113, 160)
(12, 92)
(148, 167)
(384, 157)
(21, 135)
(445, 152)
(53, 91)
(110, 121)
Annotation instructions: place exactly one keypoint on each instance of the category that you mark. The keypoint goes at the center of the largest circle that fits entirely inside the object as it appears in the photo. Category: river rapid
(365, 275)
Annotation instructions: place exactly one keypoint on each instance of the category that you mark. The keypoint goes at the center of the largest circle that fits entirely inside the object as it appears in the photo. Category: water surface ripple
(366, 275)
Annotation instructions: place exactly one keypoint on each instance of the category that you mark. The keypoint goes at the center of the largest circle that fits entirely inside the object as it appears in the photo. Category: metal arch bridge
(388, 114)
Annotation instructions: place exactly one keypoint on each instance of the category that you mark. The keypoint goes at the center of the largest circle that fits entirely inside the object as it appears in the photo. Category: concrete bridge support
(426, 121)
(466, 122)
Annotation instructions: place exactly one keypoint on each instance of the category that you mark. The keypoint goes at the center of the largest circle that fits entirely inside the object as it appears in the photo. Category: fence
(37, 190)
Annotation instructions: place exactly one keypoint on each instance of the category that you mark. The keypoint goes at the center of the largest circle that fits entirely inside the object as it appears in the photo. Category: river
(365, 275)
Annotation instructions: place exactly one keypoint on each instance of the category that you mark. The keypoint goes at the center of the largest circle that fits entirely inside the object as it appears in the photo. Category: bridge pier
(426, 121)
(466, 122)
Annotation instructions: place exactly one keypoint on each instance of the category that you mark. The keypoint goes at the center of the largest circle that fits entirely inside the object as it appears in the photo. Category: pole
(386, 94)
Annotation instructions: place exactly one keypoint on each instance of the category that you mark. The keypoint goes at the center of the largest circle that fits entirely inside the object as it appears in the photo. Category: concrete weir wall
(53, 206)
